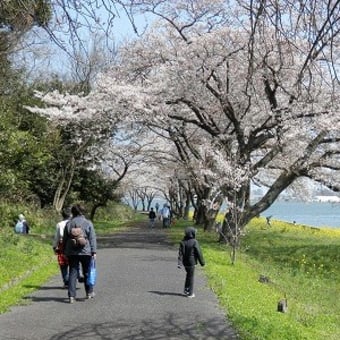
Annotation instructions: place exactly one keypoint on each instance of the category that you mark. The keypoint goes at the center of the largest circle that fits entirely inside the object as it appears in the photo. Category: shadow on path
(164, 293)
(170, 327)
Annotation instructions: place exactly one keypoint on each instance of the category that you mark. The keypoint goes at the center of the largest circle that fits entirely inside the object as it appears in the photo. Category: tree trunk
(94, 210)
(149, 204)
(210, 219)
(230, 233)
(57, 194)
(64, 186)
(212, 213)
(186, 208)
(201, 214)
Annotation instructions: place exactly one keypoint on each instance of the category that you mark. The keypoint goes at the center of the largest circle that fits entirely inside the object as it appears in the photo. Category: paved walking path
(138, 296)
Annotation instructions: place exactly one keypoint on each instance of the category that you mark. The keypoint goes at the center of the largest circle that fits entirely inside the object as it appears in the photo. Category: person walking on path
(166, 216)
(80, 246)
(152, 217)
(58, 246)
(189, 254)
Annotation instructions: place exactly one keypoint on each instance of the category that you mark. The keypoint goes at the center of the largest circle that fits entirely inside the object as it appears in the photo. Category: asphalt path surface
(139, 295)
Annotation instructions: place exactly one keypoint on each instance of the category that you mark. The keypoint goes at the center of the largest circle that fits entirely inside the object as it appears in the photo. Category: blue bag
(19, 227)
(92, 276)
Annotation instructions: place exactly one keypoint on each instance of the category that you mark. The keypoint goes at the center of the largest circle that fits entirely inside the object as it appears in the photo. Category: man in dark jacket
(79, 249)
(189, 255)
(152, 217)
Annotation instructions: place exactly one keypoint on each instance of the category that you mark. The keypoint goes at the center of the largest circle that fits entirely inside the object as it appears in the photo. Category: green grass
(25, 261)
(301, 263)
(108, 227)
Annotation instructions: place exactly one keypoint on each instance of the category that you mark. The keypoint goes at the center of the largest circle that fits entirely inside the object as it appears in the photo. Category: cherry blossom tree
(149, 177)
(257, 84)
(247, 92)
(75, 115)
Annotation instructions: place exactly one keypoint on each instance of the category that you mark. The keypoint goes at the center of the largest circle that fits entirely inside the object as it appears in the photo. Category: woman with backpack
(80, 247)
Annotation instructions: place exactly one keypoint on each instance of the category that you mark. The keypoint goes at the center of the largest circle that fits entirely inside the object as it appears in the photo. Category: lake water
(310, 213)
(315, 214)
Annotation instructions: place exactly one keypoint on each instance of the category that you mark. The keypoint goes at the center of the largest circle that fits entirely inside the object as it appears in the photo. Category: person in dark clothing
(189, 254)
(152, 217)
(58, 248)
(79, 252)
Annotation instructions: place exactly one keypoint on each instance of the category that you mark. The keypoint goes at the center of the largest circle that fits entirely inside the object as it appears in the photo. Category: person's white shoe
(191, 296)
(90, 295)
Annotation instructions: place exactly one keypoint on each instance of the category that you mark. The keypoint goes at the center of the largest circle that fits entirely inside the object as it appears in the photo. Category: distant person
(189, 254)
(21, 227)
(157, 207)
(152, 217)
(58, 246)
(80, 246)
(166, 216)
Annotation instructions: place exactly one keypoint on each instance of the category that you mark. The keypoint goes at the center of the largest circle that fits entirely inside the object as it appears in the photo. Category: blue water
(313, 214)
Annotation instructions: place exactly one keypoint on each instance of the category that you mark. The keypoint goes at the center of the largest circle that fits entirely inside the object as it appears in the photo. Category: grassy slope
(300, 262)
(25, 262)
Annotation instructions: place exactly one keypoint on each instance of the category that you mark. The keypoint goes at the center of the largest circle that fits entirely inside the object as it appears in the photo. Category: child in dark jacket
(189, 254)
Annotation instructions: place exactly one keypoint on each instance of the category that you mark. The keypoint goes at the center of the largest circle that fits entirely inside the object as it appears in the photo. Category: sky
(44, 55)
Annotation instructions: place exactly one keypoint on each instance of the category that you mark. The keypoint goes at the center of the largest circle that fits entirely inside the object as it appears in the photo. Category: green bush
(40, 221)
(115, 212)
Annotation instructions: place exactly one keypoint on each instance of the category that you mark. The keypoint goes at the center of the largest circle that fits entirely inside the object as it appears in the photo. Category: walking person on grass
(80, 246)
(189, 254)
